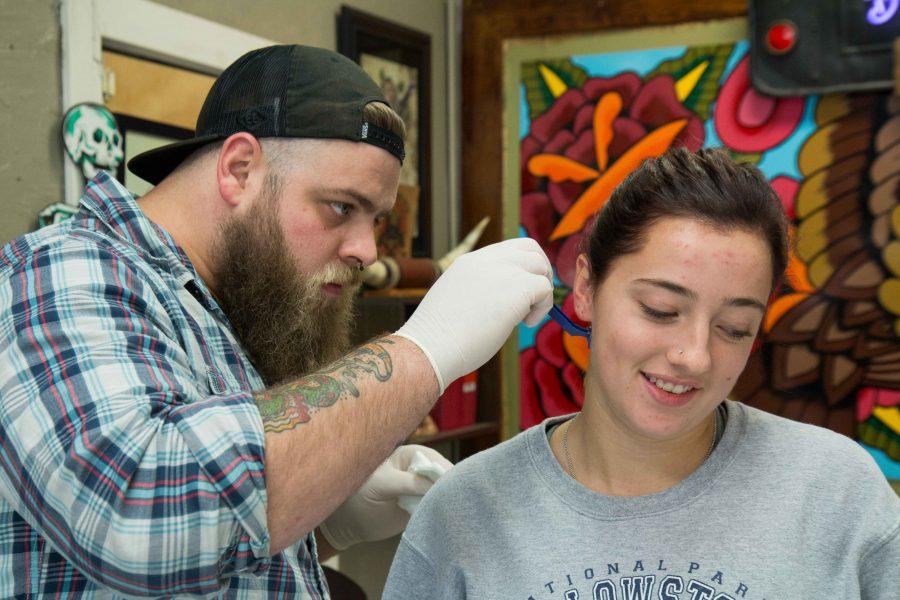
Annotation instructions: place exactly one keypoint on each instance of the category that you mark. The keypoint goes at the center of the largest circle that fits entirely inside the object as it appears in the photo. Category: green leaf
(537, 93)
(878, 435)
(560, 293)
(707, 88)
(745, 157)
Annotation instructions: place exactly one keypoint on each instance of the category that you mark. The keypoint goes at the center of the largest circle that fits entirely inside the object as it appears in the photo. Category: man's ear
(240, 170)
(582, 289)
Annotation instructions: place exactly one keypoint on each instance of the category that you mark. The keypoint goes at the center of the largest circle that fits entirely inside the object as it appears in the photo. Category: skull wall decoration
(92, 137)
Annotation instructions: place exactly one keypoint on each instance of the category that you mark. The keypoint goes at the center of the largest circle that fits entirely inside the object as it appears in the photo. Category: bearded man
(179, 412)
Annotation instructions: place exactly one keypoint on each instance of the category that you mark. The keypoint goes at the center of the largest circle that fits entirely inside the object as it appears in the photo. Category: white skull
(93, 139)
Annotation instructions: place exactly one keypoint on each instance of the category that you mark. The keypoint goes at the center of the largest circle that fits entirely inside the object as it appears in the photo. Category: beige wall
(31, 155)
(30, 88)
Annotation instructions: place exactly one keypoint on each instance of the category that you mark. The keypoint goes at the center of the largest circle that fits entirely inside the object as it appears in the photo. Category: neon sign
(882, 11)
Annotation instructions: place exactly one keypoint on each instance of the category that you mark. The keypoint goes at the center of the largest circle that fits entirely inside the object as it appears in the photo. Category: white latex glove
(472, 308)
(372, 513)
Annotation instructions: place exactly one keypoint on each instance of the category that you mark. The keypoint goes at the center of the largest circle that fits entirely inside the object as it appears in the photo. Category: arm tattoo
(286, 406)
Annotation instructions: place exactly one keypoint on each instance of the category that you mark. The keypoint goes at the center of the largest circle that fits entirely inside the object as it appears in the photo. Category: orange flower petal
(560, 168)
(797, 275)
(651, 145)
(578, 350)
(780, 307)
(608, 108)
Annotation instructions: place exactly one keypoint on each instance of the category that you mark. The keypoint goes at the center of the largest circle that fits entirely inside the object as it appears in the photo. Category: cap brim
(155, 165)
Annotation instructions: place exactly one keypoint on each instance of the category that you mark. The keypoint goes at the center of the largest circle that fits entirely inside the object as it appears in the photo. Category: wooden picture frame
(399, 59)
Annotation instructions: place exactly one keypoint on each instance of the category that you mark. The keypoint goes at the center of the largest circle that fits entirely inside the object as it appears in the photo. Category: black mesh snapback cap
(280, 91)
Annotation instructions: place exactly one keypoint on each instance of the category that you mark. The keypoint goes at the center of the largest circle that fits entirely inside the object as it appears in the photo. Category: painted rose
(573, 157)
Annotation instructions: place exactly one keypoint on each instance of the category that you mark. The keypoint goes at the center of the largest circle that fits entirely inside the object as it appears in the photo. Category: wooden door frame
(140, 28)
(487, 25)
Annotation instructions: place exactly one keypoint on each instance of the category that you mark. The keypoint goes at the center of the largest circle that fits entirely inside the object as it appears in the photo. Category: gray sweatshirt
(780, 511)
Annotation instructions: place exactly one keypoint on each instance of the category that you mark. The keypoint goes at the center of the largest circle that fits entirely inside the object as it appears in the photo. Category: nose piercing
(359, 265)
(680, 351)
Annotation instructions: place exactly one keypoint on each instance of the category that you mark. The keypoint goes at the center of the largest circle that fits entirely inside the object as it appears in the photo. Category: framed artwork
(583, 112)
(395, 234)
(399, 60)
(141, 135)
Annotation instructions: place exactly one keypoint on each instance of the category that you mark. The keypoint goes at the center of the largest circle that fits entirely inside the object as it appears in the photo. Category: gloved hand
(472, 308)
(372, 513)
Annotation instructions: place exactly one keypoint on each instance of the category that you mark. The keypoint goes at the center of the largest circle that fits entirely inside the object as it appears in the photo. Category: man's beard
(286, 324)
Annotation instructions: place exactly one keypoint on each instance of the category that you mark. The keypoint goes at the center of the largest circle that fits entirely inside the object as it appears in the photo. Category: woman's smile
(668, 393)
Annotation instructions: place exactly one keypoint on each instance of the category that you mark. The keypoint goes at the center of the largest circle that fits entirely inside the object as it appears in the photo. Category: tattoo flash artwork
(829, 350)
(284, 407)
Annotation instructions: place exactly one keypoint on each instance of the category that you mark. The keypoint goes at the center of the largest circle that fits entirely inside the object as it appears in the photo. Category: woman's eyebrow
(740, 302)
(670, 286)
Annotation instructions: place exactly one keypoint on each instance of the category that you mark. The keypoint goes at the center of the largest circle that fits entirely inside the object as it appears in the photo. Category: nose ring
(359, 265)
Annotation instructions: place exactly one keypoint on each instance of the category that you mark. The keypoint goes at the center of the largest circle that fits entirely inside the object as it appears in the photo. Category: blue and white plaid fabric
(131, 450)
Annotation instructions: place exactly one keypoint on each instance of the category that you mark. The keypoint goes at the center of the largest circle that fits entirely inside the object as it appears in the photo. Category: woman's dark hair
(707, 186)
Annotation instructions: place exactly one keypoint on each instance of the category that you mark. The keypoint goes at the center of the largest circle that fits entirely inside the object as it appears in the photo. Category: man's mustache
(339, 274)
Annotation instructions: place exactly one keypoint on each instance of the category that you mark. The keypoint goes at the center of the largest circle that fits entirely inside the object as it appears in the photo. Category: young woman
(661, 488)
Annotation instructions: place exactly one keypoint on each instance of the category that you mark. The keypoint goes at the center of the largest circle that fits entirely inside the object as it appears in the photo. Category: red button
(781, 37)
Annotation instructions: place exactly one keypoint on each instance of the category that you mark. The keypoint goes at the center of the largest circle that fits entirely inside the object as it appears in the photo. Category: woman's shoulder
(500, 467)
(790, 431)
(835, 480)
(785, 441)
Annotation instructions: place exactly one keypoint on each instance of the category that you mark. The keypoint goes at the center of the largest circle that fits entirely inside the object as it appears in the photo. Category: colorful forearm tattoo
(286, 406)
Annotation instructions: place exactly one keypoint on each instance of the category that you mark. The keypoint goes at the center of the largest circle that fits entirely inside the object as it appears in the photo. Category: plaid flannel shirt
(131, 450)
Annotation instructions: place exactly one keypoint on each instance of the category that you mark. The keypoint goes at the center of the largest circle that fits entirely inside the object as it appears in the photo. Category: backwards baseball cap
(280, 91)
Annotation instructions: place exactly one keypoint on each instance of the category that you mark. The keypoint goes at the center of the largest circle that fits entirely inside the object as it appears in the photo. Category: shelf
(462, 433)
(402, 293)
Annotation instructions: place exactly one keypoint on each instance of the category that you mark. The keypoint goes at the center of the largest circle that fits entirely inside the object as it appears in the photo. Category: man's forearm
(327, 431)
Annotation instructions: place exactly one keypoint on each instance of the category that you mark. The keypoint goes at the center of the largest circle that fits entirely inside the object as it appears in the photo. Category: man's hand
(463, 320)
(372, 513)
(471, 309)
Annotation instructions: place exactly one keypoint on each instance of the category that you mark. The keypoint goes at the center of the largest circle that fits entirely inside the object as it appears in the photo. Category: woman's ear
(583, 290)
